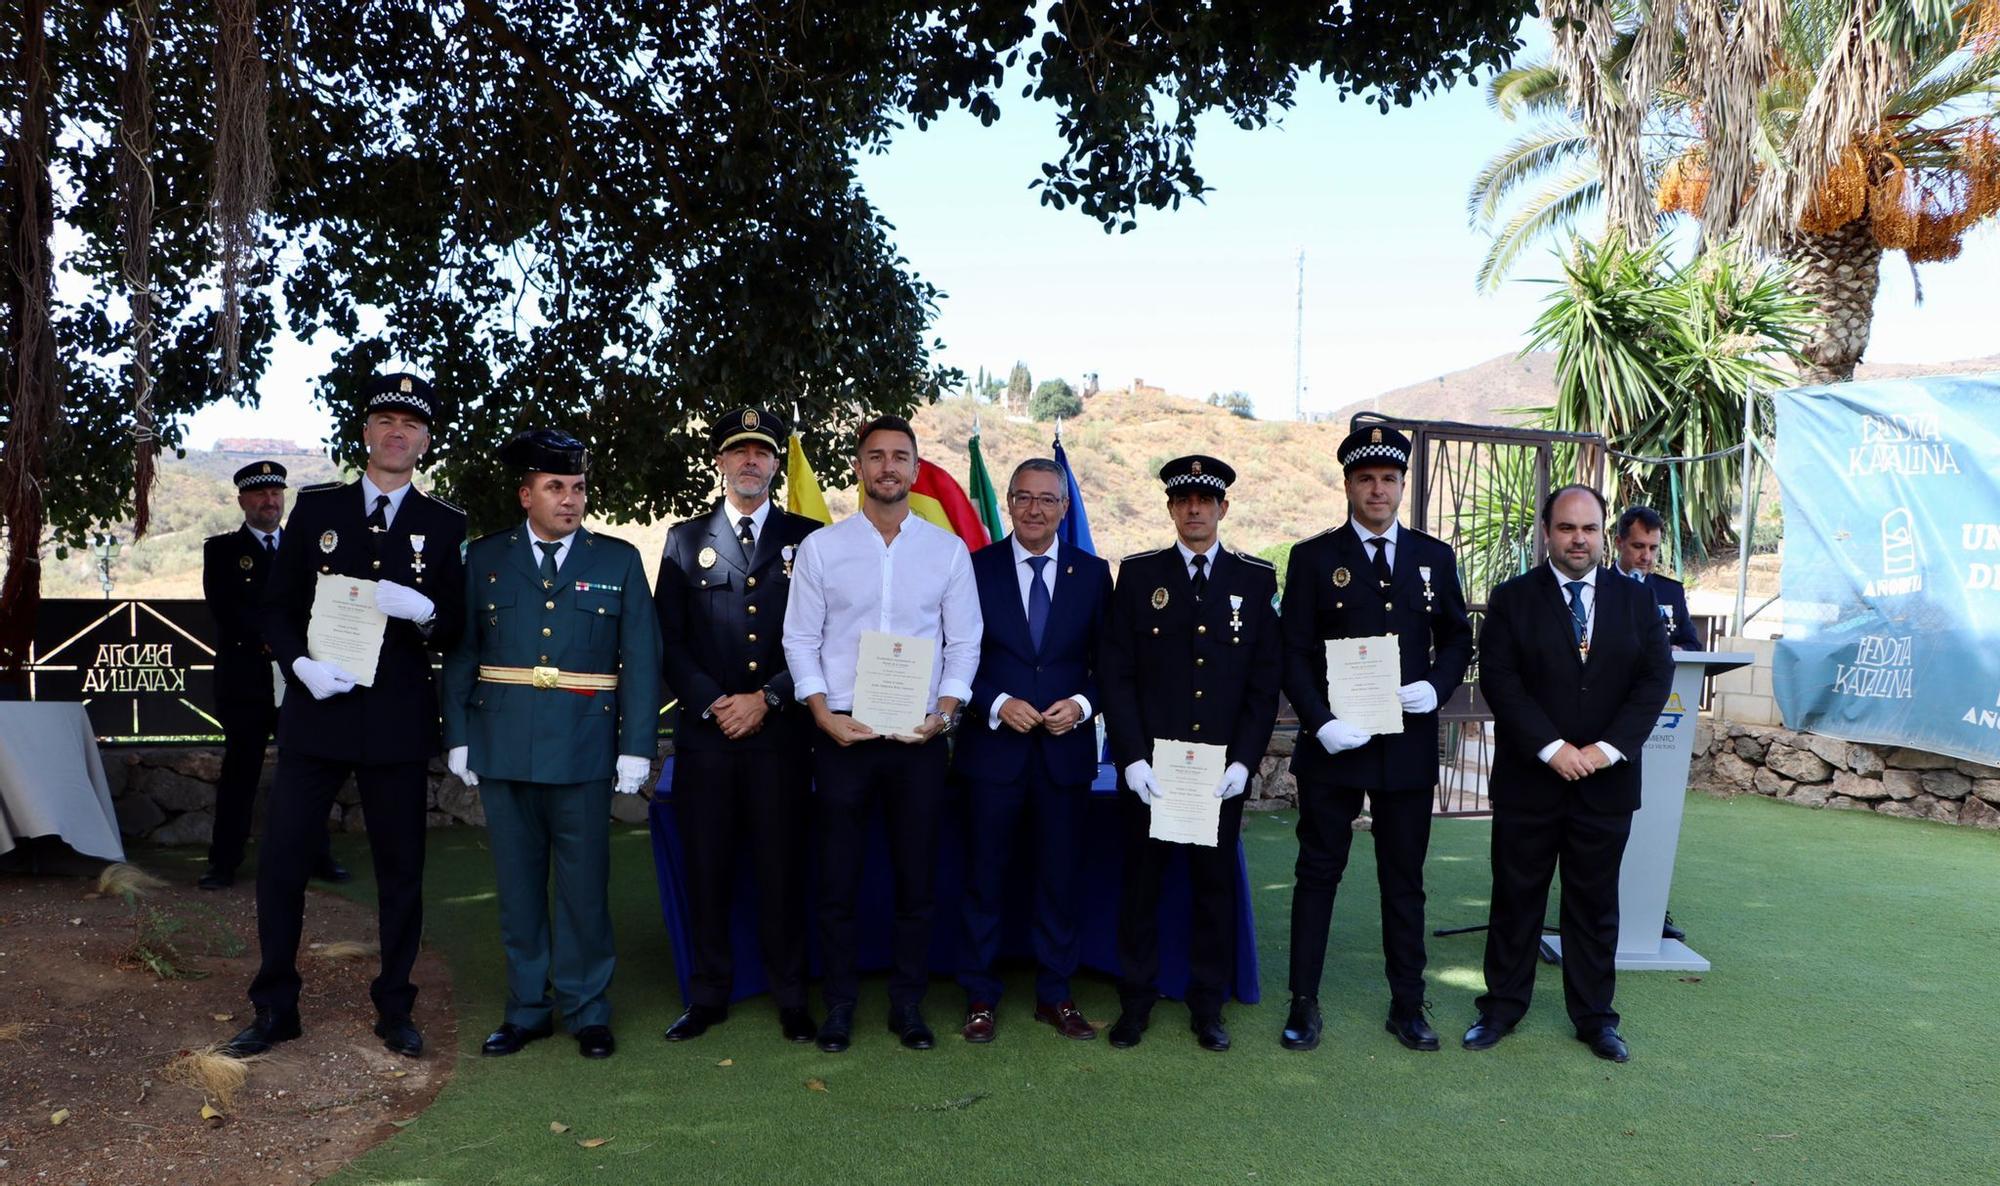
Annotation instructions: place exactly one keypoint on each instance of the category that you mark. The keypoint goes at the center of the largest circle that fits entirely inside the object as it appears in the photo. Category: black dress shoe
(270, 1028)
(1129, 1028)
(1669, 931)
(216, 879)
(1209, 1034)
(695, 1022)
(797, 1024)
(509, 1038)
(1606, 1043)
(331, 870)
(1411, 1029)
(1486, 1033)
(595, 1041)
(907, 1023)
(1302, 1025)
(836, 1033)
(400, 1036)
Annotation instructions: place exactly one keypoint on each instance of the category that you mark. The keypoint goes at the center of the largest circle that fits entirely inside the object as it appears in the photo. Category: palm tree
(1729, 138)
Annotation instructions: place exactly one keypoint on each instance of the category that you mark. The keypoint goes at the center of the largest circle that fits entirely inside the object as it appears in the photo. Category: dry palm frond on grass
(216, 1075)
(11, 1031)
(122, 880)
(346, 949)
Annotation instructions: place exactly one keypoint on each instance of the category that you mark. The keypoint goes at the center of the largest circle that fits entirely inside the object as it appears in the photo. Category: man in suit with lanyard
(234, 569)
(378, 528)
(1368, 578)
(1190, 654)
(551, 705)
(1576, 668)
(1638, 538)
(880, 569)
(1029, 750)
(742, 774)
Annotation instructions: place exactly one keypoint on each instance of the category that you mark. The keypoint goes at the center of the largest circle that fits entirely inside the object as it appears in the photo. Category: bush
(1055, 398)
(1237, 402)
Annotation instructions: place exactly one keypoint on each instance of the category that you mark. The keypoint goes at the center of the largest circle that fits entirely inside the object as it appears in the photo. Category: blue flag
(1075, 529)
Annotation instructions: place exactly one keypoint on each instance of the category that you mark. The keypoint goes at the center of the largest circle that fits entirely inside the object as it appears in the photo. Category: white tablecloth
(52, 780)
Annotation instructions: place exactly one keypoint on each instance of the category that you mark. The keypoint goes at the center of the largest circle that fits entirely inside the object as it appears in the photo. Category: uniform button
(548, 605)
(326, 568)
(753, 664)
(750, 582)
(1339, 604)
(751, 609)
(1197, 693)
(545, 658)
(1201, 630)
(1200, 662)
(600, 609)
(1234, 640)
(753, 638)
(546, 632)
(1197, 726)
(490, 605)
(492, 577)
(374, 564)
(1156, 629)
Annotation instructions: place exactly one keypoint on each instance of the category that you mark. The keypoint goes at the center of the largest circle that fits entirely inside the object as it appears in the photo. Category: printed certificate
(892, 682)
(1186, 810)
(345, 628)
(1362, 675)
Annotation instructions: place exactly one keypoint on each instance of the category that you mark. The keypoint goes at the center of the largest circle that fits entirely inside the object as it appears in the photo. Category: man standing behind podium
(1367, 578)
(1576, 669)
(887, 570)
(234, 569)
(742, 765)
(377, 528)
(1639, 531)
(1028, 749)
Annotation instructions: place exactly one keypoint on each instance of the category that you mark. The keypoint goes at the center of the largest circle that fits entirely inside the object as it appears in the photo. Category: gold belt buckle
(545, 677)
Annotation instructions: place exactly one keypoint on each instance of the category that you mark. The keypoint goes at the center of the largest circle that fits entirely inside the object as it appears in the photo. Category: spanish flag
(802, 496)
(937, 497)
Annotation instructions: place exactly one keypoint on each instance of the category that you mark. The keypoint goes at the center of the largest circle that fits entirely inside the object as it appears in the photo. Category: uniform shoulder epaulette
(1425, 535)
(1259, 561)
(216, 539)
(599, 537)
(316, 487)
(1321, 535)
(1143, 555)
(478, 540)
(446, 503)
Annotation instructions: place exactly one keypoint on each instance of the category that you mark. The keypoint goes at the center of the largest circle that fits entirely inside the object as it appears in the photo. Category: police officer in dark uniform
(234, 568)
(1191, 654)
(742, 747)
(1367, 578)
(377, 528)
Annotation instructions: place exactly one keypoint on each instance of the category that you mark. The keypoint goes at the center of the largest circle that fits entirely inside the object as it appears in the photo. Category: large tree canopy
(615, 218)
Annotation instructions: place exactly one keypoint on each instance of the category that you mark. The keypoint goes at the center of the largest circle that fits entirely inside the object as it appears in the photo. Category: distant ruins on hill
(262, 446)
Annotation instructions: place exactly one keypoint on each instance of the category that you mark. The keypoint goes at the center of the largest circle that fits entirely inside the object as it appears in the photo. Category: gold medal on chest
(1340, 578)
(1160, 597)
(246, 563)
(328, 541)
(707, 558)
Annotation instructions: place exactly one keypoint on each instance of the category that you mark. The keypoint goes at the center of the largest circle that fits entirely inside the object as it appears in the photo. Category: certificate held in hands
(1362, 675)
(1186, 810)
(345, 628)
(892, 682)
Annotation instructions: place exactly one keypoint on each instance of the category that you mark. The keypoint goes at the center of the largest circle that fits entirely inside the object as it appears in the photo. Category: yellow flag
(802, 496)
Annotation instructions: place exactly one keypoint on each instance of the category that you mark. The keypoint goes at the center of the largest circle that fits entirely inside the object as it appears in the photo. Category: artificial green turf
(1845, 1035)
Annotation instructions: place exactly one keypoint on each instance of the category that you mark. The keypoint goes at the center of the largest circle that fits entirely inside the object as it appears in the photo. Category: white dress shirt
(369, 492)
(1389, 543)
(1188, 554)
(846, 580)
(535, 553)
(1024, 572)
(1588, 595)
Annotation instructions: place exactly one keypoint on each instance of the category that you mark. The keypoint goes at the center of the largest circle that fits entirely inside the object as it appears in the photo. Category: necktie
(1382, 574)
(378, 519)
(270, 545)
(1038, 601)
(548, 551)
(1578, 618)
(746, 536)
(1200, 576)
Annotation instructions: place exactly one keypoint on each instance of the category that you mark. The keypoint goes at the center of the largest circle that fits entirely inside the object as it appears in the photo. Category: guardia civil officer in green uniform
(551, 704)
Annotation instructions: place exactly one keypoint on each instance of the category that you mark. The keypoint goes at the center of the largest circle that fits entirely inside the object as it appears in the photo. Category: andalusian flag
(985, 499)
(936, 496)
(802, 496)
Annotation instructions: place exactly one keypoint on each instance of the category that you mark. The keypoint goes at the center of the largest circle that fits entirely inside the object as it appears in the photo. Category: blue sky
(1202, 299)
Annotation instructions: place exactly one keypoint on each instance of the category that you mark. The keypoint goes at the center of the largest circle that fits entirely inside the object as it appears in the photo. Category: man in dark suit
(1027, 748)
(1638, 538)
(1368, 578)
(1190, 654)
(1576, 668)
(380, 529)
(742, 770)
(234, 569)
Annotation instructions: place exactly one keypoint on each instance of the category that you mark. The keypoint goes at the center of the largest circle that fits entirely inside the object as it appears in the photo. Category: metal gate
(1480, 489)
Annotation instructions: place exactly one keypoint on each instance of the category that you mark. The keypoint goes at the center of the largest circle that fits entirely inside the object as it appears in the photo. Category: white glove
(1337, 735)
(321, 679)
(632, 772)
(1139, 776)
(401, 601)
(1235, 781)
(454, 761)
(1419, 697)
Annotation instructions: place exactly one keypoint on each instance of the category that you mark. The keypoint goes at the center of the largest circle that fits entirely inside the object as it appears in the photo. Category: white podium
(1648, 871)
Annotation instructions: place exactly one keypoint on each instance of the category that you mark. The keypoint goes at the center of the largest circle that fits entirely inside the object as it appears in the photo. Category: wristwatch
(950, 723)
(772, 700)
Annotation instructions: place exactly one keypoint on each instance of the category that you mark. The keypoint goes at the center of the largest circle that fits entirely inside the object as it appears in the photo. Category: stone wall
(1731, 758)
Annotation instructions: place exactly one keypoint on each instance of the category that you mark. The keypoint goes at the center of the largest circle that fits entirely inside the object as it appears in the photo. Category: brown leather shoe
(1068, 1020)
(979, 1022)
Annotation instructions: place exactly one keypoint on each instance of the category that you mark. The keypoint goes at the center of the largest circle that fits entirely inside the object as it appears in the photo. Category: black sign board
(144, 670)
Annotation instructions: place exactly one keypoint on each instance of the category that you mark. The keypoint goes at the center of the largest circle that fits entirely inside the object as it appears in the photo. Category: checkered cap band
(1378, 452)
(1209, 481)
(252, 481)
(402, 399)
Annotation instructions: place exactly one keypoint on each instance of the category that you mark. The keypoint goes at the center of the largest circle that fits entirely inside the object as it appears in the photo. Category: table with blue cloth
(1097, 883)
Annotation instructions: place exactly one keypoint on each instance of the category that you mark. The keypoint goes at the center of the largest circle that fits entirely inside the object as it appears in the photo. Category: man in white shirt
(884, 570)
